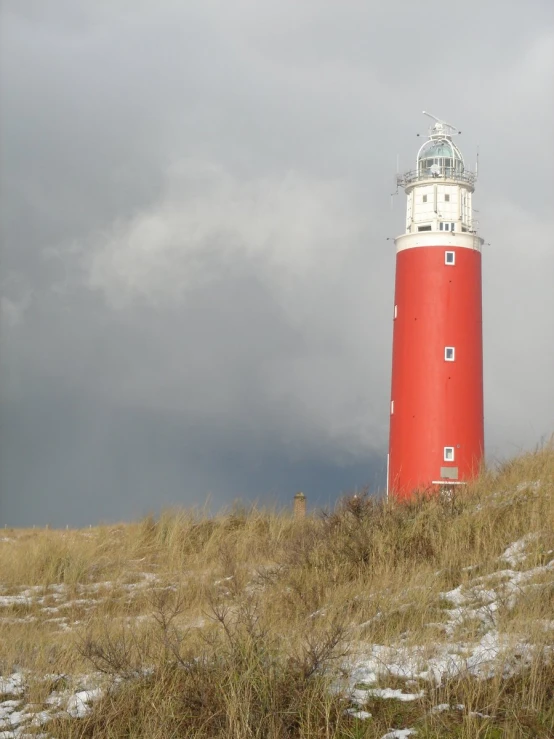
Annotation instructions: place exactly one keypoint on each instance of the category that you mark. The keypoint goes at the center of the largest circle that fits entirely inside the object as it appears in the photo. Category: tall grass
(238, 625)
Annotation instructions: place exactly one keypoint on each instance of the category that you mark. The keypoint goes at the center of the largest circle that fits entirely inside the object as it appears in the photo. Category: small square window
(449, 353)
(425, 198)
(448, 453)
(449, 257)
(447, 198)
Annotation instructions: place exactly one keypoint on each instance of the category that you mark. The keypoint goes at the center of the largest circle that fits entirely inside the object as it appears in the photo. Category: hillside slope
(433, 619)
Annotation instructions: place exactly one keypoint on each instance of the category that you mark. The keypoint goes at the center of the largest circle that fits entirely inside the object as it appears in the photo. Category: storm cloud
(196, 281)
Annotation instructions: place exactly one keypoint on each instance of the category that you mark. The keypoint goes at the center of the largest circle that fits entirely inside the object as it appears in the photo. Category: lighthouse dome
(442, 148)
(440, 158)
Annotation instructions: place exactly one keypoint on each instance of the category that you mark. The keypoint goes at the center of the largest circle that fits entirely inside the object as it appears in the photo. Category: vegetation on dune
(247, 624)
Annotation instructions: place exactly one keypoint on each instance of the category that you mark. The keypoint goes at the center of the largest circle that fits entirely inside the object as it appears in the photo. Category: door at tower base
(436, 422)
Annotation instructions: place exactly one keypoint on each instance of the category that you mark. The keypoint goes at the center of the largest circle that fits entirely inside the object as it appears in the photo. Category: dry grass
(238, 625)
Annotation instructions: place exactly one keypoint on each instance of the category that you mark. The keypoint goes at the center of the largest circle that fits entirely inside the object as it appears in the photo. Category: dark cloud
(75, 461)
(196, 282)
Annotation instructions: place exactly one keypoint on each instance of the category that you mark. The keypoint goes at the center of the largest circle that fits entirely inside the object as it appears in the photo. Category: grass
(244, 624)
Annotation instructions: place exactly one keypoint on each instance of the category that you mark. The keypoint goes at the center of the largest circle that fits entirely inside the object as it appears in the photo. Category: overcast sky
(196, 282)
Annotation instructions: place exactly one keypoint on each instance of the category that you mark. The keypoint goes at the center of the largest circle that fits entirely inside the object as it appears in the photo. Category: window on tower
(425, 198)
(424, 228)
(449, 257)
(447, 198)
(449, 353)
(448, 453)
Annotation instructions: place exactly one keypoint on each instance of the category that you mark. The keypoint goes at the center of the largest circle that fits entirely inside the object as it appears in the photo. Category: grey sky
(196, 282)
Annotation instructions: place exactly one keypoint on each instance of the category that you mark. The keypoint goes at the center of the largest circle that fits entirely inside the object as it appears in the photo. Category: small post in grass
(299, 506)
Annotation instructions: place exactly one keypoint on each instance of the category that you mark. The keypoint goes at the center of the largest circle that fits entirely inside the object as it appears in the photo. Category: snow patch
(388, 693)
(356, 713)
(78, 705)
(12, 685)
(515, 553)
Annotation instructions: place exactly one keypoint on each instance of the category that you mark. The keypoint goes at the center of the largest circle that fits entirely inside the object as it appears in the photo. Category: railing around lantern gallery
(408, 178)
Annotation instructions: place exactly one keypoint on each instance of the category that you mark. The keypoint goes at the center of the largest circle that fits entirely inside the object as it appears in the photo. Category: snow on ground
(49, 604)
(482, 652)
(481, 656)
(515, 553)
(17, 717)
(78, 704)
(12, 685)
(480, 659)
(53, 600)
(355, 713)
(392, 693)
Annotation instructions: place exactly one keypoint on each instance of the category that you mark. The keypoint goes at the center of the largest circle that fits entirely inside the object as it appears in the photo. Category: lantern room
(440, 157)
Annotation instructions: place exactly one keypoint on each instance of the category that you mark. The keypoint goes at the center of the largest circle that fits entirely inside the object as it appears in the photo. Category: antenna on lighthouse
(441, 128)
(395, 180)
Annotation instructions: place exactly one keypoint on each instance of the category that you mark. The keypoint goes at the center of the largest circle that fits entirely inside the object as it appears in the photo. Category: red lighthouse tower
(436, 410)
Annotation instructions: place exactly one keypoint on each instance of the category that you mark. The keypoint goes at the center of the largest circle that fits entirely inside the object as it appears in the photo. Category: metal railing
(408, 178)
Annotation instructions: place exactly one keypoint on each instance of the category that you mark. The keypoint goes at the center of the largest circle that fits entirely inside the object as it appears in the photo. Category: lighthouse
(436, 406)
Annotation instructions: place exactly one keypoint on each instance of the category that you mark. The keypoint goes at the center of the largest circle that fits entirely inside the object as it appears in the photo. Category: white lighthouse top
(439, 194)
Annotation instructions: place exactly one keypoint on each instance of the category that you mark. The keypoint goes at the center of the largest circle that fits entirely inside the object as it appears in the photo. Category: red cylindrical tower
(436, 421)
